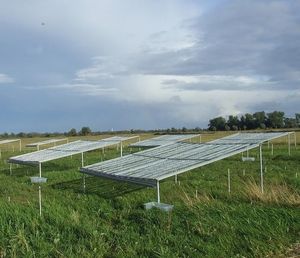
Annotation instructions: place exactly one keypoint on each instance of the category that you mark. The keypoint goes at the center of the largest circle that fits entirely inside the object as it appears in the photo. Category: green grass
(109, 219)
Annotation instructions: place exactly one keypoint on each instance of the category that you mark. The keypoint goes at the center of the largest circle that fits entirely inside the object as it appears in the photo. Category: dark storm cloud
(249, 38)
(146, 65)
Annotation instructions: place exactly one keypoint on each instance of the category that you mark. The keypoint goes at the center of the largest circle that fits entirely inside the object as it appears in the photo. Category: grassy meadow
(109, 220)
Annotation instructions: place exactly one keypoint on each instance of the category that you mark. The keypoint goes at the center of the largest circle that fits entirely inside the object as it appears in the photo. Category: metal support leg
(158, 193)
(20, 145)
(40, 200)
(82, 162)
(229, 186)
(272, 149)
(83, 182)
(40, 169)
(261, 169)
(121, 148)
(175, 179)
(289, 143)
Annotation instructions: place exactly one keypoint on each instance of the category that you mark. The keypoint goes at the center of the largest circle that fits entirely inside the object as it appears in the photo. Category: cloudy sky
(144, 63)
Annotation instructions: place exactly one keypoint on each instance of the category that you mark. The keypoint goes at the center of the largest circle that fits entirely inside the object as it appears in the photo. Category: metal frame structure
(50, 141)
(65, 150)
(10, 141)
(165, 140)
(151, 166)
(119, 141)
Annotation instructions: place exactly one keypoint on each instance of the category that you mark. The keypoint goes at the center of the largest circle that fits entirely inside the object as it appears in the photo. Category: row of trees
(257, 120)
(83, 132)
(87, 131)
(73, 132)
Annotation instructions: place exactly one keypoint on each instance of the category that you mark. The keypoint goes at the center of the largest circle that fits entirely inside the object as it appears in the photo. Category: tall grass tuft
(274, 194)
(191, 200)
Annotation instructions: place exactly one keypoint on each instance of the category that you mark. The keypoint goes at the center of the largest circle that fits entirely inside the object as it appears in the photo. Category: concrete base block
(161, 206)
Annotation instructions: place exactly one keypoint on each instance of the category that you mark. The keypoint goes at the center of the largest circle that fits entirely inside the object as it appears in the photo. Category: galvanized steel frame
(50, 141)
(151, 166)
(66, 150)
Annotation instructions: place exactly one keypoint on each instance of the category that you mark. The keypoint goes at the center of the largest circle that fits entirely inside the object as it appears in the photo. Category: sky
(145, 64)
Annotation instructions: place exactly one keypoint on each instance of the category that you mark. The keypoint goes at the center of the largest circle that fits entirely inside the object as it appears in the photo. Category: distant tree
(297, 117)
(85, 131)
(249, 121)
(184, 129)
(227, 127)
(259, 119)
(276, 119)
(262, 126)
(234, 128)
(290, 123)
(173, 130)
(72, 132)
(21, 134)
(233, 121)
(218, 123)
(243, 125)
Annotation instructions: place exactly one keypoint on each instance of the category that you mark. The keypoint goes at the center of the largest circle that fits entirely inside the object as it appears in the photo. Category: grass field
(109, 219)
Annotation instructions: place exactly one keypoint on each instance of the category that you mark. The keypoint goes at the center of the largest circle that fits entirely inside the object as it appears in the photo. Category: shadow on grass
(103, 187)
(30, 170)
(20, 171)
(62, 165)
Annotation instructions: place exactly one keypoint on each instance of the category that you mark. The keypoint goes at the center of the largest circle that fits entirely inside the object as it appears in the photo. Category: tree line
(87, 131)
(257, 120)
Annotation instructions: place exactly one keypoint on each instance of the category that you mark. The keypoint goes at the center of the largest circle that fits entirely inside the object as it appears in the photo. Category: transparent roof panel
(66, 150)
(149, 166)
(164, 140)
(119, 138)
(35, 144)
(250, 137)
(8, 141)
(146, 167)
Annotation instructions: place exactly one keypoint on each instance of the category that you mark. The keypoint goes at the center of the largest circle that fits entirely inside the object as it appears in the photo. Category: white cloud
(5, 78)
(184, 98)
